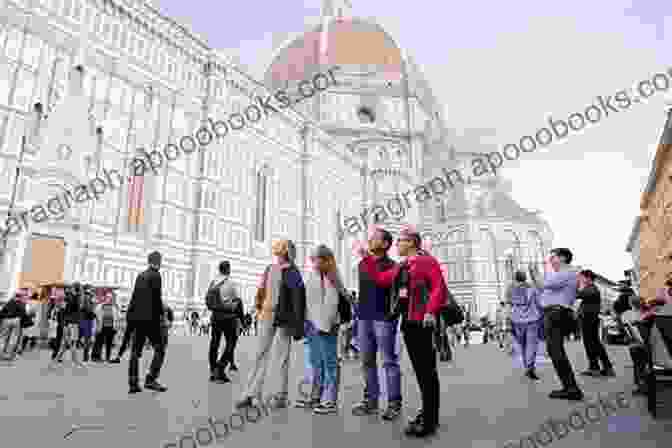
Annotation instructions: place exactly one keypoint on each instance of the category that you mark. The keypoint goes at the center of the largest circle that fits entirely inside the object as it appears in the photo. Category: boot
(219, 376)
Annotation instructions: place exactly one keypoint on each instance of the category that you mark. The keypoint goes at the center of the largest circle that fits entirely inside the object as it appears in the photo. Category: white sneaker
(326, 408)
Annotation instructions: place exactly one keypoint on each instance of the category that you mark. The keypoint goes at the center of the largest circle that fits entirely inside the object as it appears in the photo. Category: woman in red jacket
(419, 286)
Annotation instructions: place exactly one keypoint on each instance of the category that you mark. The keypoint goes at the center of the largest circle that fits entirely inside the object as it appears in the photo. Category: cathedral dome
(359, 44)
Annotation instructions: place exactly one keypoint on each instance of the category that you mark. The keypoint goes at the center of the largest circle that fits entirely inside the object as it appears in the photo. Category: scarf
(270, 287)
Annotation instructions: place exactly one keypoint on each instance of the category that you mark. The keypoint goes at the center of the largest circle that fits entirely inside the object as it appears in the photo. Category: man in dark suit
(146, 316)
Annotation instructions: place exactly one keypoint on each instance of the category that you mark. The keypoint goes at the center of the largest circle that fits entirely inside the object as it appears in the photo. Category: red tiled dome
(349, 42)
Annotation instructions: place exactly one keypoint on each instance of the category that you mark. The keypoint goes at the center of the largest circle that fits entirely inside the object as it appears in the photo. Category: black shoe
(220, 379)
(155, 386)
(420, 430)
(365, 407)
(233, 368)
(115, 361)
(531, 374)
(640, 390)
(609, 372)
(392, 412)
(591, 372)
(567, 394)
(418, 419)
(244, 403)
(134, 389)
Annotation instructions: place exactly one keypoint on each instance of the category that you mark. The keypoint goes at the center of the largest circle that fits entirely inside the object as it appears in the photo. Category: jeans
(324, 350)
(558, 323)
(422, 354)
(10, 330)
(527, 338)
(142, 332)
(375, 336)
(595, 351)
(312, 371)
(228, 329)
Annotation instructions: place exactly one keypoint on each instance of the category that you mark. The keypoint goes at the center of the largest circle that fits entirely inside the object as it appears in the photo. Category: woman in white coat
(323, 287)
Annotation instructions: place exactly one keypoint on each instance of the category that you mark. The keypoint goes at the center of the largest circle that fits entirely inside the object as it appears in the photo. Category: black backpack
(344, 308)
(451, 312)
(213, 296)
(622, 304)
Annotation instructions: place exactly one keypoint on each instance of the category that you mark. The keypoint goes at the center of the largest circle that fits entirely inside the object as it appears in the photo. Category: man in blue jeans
(375, 334)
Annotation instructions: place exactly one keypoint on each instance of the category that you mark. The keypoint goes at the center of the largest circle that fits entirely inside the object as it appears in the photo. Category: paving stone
(485, 402)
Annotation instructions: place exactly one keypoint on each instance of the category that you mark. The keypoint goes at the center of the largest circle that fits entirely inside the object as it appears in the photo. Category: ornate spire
(336, 8)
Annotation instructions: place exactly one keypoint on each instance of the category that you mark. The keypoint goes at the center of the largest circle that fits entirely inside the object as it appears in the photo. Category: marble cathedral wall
(147, 85)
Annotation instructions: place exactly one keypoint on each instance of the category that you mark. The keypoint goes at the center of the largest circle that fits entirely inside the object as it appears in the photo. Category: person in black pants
(146, 316)
(125, 341)
(443, 342)
(60, 322)
(422, 293)
(589, 310)
(106, 322)
(234, 340)
(227, 311)
(558, 295)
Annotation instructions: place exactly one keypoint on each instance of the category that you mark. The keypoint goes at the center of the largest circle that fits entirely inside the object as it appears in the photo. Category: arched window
(260, 214)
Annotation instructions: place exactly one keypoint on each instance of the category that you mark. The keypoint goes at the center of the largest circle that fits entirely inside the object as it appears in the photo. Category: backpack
(344, 308)
(213, 297)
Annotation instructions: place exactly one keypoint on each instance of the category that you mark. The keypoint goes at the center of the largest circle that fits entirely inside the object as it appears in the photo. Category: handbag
(395, 306)
(452, 312)
(344, 308)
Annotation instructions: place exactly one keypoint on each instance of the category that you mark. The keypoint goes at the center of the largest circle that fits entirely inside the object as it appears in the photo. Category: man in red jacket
(422, 294)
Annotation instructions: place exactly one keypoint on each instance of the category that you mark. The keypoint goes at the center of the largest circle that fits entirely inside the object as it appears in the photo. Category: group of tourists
(410, 297)
(79, 323)
(545, 308)
(407, 296)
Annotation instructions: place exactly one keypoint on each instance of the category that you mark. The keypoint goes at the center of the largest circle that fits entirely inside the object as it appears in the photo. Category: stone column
(301, 245)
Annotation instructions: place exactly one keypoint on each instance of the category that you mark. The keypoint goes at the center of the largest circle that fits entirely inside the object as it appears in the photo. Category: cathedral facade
(116, 78)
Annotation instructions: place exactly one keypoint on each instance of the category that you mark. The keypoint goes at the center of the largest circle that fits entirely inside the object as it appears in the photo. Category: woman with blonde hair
(281, 306)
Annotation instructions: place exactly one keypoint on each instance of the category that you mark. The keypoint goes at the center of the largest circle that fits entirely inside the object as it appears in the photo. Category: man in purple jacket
(558, 294)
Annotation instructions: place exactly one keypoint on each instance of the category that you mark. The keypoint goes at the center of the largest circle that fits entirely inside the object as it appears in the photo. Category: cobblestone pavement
(485, 403)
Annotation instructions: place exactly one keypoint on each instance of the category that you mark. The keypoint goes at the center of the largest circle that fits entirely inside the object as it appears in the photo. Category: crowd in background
(408, 299)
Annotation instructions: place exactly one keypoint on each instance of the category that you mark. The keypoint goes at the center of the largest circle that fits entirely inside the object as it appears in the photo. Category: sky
(508, 66)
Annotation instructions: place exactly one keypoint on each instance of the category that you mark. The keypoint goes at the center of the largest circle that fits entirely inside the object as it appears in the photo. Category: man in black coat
(145, 316)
